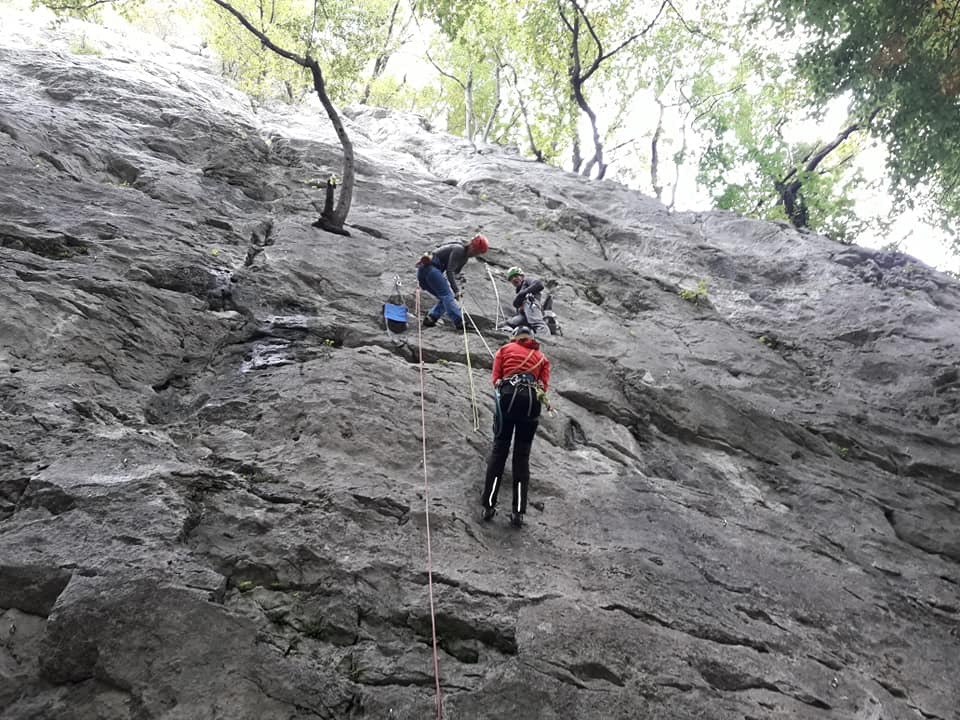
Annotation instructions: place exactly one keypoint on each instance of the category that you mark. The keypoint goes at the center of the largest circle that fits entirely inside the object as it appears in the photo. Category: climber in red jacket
(521, 374)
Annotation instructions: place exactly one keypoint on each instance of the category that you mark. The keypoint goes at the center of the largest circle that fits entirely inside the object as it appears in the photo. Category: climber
(527, 301)
(521, 374)
(438, 273)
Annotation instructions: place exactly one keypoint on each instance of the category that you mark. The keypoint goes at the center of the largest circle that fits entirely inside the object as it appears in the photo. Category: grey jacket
(530, 286)
(450, 259)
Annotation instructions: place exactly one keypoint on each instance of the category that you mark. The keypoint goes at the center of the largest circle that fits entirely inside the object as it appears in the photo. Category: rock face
(212, 496)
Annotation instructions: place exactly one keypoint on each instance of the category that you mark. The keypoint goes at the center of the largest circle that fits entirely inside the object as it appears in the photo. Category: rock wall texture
(212, 496)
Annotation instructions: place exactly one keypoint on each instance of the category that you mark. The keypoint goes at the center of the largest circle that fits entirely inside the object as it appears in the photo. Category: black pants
(515, 417)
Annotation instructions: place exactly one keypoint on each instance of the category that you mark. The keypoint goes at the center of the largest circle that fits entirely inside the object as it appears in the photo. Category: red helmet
(479, 244)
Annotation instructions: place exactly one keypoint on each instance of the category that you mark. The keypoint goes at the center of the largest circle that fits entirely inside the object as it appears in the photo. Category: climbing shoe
(516, 519)
(488, 513)
(429, 321)
(458, 326)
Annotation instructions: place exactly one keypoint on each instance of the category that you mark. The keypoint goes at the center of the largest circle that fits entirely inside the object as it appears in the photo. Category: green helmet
(513, 272)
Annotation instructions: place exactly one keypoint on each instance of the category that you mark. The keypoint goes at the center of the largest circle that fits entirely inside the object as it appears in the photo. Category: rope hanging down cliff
(426, 513)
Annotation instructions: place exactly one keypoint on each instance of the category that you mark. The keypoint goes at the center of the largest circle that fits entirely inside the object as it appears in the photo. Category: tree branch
(267, 42)
(78, 7)
(601, 56)
(816, 158)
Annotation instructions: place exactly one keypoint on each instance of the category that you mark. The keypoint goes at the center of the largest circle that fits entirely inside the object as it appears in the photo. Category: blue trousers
(432, 279)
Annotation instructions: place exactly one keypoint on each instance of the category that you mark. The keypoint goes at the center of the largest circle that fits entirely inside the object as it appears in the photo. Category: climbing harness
(426, 512)
(521, 382)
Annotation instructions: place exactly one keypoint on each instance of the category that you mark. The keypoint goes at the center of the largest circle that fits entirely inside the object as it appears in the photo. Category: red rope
(426, 496)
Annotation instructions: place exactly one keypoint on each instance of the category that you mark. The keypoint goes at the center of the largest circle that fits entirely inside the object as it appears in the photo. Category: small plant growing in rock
(329, 342)
(698, 295)
(842, 451)
(82, 47)
(314, 630)
(245, 586)
(593, 294)
(352, 668)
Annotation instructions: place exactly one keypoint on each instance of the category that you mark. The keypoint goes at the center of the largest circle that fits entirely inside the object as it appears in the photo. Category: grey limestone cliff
(212, 499)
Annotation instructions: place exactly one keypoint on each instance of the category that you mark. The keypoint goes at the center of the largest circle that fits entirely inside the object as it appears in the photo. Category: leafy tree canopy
(656, 90)
(900, 58)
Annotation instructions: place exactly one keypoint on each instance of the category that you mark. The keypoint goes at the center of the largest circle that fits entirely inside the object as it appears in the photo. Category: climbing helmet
(479, 243)
(513, 272)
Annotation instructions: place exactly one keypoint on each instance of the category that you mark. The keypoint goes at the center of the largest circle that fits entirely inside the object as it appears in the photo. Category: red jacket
(521, 356)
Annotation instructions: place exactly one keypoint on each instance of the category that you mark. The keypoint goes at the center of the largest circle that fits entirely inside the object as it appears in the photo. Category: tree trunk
(380, 64)
(468, 122)
(790, 190)
(334, 223)
(677, 162)
(655, 155)
(493, 113)
(577, 157)
(330, 221)
(597, 158)
(537, 152)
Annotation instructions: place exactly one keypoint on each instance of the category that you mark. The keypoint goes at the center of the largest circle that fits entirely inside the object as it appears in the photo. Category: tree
(899, 60)
(332, 219)
(586, 53)
(246, 60)
(472, 54)
(754, 162)
(272, 15)
(677, 66)
(387, 43)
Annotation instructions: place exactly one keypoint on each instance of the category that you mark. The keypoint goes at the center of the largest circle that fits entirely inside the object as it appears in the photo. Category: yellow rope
(473, 389)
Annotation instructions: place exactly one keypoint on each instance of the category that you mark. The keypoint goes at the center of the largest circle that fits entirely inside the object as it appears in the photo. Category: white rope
(473, 388)
(475, 328)
(496, 293)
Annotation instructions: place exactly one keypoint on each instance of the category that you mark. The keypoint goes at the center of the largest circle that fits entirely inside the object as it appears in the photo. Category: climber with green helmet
(526, 301)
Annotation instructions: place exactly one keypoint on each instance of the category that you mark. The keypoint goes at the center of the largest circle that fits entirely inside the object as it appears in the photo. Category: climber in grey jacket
(527, 301)
(438, 274)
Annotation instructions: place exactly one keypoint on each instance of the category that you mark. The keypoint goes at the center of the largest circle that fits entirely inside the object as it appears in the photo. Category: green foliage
(163, 18)
(344, 36)
(730, 103)
(314, 629)
(903, 60)
(257, 70)
(752, 155)
(90, 11)
(82, 46)
(698, 295)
